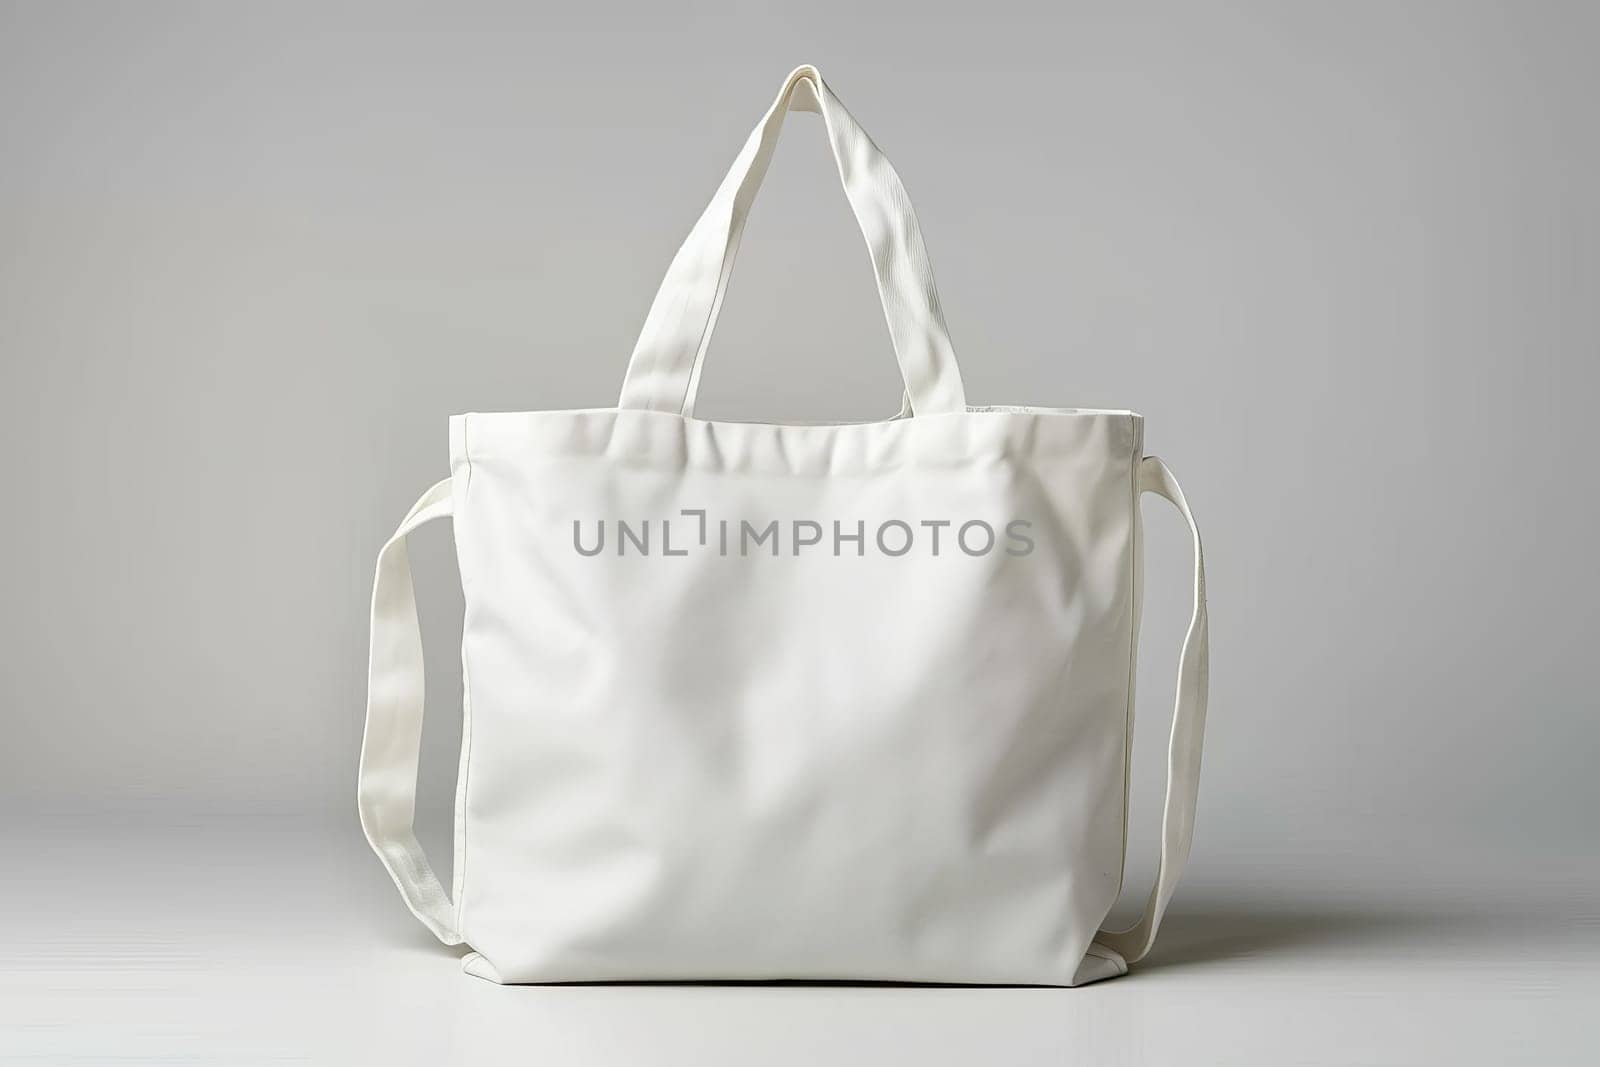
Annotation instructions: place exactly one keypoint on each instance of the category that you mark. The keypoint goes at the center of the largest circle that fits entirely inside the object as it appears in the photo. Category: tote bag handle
(1188, 732)
(386, 790)
(664, 371)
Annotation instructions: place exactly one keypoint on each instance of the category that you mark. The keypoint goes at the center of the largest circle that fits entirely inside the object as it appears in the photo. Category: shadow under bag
(753, 701)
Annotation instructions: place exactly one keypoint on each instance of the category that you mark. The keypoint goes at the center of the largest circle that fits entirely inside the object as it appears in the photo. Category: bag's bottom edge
(1099, 964)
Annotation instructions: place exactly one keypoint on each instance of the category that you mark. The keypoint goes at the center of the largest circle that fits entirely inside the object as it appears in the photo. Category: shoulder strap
(1188, 730)
(387, 791)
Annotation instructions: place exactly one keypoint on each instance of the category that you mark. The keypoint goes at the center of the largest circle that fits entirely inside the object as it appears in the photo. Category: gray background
(1344, 257)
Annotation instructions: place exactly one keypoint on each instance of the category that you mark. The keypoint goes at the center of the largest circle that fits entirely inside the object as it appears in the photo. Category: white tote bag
(755, 701)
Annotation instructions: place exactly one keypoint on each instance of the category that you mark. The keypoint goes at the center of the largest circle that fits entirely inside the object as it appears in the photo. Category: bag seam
(464, 791)
(1134, 587)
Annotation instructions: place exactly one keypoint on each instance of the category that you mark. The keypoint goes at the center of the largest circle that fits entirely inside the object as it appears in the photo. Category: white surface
(285, 943)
